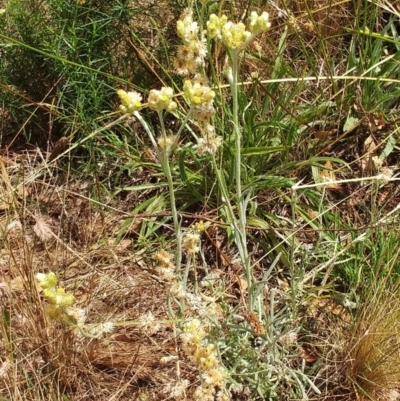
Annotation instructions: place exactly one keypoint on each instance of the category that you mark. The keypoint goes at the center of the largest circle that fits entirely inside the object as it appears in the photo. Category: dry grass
(374, 349)
(76, 240)
(357, 355)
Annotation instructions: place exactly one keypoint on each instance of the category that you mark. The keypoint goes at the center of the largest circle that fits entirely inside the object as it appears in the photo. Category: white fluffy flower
(149, 324)
(210, 142)
(187, 28)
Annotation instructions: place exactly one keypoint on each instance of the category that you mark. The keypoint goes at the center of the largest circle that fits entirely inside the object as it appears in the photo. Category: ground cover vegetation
(199, 200)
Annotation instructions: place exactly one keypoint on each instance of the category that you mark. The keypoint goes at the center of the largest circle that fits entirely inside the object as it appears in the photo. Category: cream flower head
(162, 99)
(235, 36)
(130, 101)
(259, 23)
(197, 93)
(215, 24)
(187, 29)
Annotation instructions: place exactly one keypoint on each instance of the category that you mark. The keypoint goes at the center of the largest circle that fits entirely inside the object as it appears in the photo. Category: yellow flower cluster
(55, 296)
(199, 226)
(190, 58)
(60, 307)
(58, 300)
(158, 100)
(214, 26)
(235, 36)
(201, 98)
(259, 23)
(205, 357)
(130, 101)
(59, 297)
(162, 99)
(164, 258)
(47, 280)
(197, 93)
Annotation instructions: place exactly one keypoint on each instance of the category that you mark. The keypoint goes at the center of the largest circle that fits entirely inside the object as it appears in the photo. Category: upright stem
(163, 157)
(163, 154)
(240, 229)
(236, 129)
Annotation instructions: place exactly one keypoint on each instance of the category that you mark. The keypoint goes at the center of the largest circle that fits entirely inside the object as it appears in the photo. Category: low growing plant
(198, 118)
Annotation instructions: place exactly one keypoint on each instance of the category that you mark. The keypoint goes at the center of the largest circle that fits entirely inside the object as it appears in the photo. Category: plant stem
(167, 171)
(236, 129)
(163, 157)
(147, 129)
(240, 226)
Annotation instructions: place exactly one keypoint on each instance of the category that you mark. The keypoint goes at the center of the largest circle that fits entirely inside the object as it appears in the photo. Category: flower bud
(259, 23)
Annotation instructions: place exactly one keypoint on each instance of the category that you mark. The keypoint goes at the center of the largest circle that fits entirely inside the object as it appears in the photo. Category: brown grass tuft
(374, 354)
